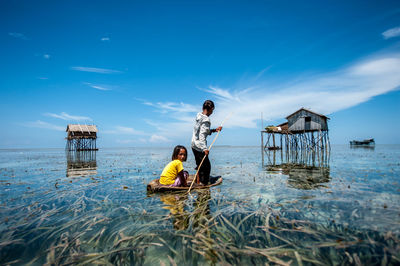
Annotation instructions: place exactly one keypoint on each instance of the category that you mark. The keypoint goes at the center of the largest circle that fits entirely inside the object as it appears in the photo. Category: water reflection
(307, 177)
(201, 214)
(175, 203)
(305, 170)
(363, 147)
(184, 212)
(81, 163)
(86, 222)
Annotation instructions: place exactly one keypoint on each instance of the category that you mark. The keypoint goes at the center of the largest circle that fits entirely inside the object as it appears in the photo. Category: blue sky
(140, 70)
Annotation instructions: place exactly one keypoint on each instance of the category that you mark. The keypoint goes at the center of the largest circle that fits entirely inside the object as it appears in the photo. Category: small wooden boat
(155, 186)
(362, 142)
(274, 148)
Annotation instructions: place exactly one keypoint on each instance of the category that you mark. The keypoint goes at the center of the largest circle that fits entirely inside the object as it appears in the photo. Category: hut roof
(81, 128)
(307, 111)
(284, 124)
(281, 128)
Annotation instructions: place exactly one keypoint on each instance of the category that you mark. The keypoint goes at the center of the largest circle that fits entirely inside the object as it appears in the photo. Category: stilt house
(304, 120)
(81, 137)
(304, 130)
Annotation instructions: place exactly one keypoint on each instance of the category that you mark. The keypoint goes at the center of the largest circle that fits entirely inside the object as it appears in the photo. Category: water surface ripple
(93, 208)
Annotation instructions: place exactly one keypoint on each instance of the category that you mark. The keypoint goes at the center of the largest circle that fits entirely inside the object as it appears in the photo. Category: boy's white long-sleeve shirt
(200, 132)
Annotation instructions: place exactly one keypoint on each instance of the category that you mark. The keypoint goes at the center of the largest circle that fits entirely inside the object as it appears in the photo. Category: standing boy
(201, 131)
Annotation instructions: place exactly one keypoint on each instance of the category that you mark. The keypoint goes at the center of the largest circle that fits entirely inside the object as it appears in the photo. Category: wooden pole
(262, 147)
(273, 139)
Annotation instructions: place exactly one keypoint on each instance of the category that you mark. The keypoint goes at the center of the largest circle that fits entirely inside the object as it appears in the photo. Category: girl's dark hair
(177, 149)
(208, 105)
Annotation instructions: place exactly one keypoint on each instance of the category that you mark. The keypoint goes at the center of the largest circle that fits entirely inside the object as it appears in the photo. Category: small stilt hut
(304, 131)
(81, 137)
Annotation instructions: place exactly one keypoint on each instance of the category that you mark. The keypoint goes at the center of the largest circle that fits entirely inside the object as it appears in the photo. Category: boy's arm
(216, 129)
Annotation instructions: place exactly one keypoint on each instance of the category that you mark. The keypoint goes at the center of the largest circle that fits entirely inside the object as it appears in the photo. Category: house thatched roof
(81, 128)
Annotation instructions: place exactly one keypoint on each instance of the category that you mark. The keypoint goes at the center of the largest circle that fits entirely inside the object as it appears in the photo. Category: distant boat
(366, 142)
(274, 148)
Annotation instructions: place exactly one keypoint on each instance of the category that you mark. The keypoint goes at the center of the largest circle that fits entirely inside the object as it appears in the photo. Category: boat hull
(155, 186)
(367, 142)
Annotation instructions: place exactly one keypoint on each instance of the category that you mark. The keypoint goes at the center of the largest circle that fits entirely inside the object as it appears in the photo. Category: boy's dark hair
(177, 149)
(208, 105)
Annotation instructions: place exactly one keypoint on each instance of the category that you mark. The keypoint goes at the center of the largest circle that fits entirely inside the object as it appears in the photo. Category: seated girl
(173, 174)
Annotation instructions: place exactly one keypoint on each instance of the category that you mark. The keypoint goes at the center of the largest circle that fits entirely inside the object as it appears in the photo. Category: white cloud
(41, 124)
(65, 116)
(383, 66)
(158, 139)
(97, 87)
(163, 135)
(125, 141)
(121, 130)
(45, 56)
(96, 70)
(105, 39)
(174, 129)
(391, 33)
(179, 122)
(128, 130)
(132, 141)
(221, 93)
(261, 73)
(18, 35)
(323, 93)
(165, 107)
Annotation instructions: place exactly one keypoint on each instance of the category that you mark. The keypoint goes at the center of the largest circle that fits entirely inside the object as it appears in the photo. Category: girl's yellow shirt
(170, 172)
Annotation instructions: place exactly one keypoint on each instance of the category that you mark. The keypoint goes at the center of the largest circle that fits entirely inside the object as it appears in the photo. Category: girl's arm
(181, 176)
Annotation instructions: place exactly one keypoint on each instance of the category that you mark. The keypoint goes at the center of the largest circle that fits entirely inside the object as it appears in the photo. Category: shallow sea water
(93, 208)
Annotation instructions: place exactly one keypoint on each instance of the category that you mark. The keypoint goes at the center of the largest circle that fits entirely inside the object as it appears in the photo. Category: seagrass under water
(346, 212)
